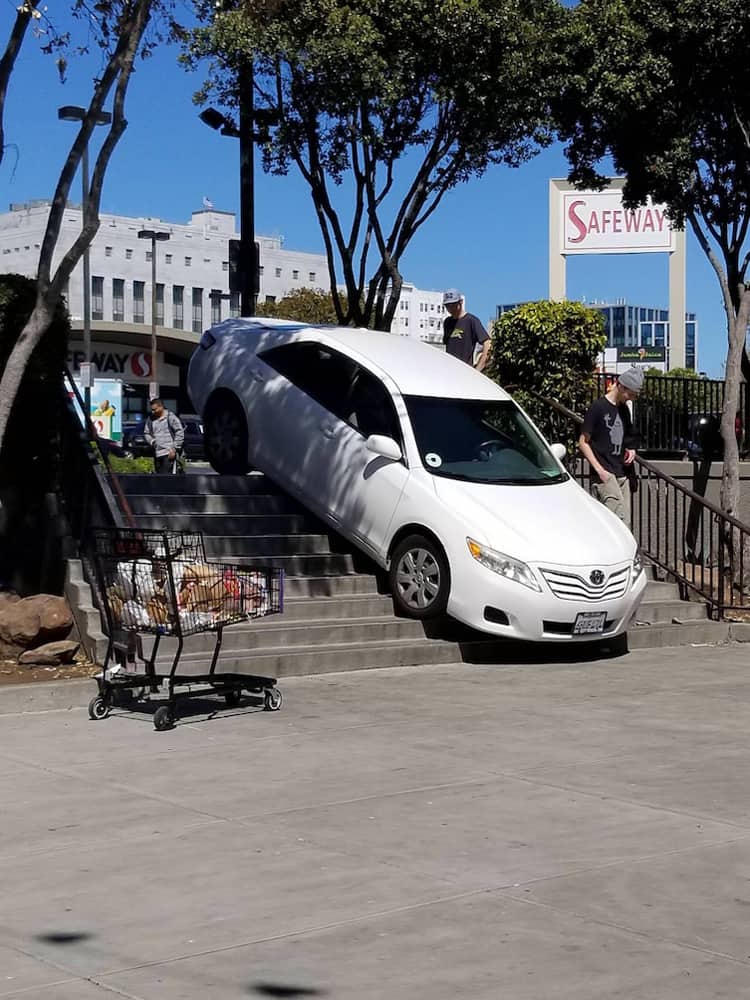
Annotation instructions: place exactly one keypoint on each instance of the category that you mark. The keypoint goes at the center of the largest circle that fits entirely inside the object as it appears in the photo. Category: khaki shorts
(615, 494)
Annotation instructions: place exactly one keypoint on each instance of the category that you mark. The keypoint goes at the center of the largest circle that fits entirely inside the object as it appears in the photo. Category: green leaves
(401, 100)
(550, 348)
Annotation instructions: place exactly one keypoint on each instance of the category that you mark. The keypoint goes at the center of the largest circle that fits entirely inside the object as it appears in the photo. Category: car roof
(417, 369)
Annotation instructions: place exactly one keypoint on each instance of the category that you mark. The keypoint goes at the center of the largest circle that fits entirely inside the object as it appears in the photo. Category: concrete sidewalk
(511, 833)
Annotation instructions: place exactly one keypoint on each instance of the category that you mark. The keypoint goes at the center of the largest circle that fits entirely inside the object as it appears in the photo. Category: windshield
(480, 441)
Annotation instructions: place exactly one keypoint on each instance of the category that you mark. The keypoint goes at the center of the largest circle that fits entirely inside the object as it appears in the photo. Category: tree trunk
(730, 480)
(36, 325)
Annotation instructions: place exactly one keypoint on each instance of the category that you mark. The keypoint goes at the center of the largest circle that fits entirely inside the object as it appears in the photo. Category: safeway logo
(140, 364)
(597, 222)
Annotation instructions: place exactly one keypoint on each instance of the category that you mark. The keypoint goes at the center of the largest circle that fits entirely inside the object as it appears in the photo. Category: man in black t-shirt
(605, 438)
(463, 332)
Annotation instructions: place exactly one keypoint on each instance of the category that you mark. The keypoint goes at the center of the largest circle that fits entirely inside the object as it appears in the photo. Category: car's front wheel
(225, 435)
(419, 577)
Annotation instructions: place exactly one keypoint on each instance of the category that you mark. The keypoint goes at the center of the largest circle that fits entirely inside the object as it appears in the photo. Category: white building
(192, 291)
(192, 270)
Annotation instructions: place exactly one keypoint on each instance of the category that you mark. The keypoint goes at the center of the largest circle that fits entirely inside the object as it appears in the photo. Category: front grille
(575, 587)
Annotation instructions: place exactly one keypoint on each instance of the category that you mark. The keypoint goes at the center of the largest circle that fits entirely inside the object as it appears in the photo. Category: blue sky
(489, 237)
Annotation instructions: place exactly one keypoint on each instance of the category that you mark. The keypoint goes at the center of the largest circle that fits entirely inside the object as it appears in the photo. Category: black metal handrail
(706, 550)
(682, 414)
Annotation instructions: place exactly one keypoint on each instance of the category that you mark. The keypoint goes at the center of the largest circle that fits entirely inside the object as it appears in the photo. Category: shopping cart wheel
(163, 718)
(232, 698)
(272, 700)
(98, 707)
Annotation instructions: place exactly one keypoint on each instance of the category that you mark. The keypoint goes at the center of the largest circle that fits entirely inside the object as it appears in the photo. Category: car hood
(558, 523)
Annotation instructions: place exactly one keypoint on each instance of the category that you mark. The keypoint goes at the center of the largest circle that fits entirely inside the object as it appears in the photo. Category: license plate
(589, 622)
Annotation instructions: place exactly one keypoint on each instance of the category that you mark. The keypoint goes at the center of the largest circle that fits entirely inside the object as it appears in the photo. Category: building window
(215, 306)
(270, 298)
(118, 300)
(188, 261)
(312, 276)
(108, 251)
(159, 304)
(139, 291)
(97, 298)
(177, 306)
(148, 254)
(234, 304)
(129, 255)
(278, 272)
(225, 265)
(167, 258)
(295, 275)
(197, 310)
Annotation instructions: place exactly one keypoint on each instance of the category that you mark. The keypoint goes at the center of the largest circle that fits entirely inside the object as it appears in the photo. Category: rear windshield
(481, 441)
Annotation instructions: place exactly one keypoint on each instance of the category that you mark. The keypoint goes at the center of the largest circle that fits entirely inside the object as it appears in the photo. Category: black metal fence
(681, 416)
(690, 539)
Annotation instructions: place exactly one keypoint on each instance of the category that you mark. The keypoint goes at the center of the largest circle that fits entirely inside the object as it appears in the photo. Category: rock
(51, 654)
(35, 620)
(8, 597)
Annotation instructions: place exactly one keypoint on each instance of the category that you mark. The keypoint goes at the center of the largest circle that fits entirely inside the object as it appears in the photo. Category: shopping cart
(159, 585)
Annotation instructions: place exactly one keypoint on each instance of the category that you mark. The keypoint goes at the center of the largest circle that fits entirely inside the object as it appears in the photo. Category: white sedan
(426, 465)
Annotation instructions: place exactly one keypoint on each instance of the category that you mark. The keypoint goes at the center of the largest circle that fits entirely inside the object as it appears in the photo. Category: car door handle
(329, 430)
(257, 375)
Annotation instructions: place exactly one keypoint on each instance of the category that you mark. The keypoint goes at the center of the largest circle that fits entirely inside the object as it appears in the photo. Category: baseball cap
(632, 379)
(451, 295)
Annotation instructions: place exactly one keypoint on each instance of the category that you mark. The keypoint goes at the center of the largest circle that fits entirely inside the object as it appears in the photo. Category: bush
(125, 466)
(549, 348)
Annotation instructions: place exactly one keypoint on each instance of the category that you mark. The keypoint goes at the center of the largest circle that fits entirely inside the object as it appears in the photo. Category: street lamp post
(154, 236)
(70, 113)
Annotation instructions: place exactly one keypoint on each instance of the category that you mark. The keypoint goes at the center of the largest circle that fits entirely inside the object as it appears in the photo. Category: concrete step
(321, 609)
(666, 612)
(277, 633)
(330, 586)
(187, 504)
(305, 565)
(661, 590)
(293, 661)
(235, 525)
(197, 483)
(698, 633)
(228, 546)
(88, 621)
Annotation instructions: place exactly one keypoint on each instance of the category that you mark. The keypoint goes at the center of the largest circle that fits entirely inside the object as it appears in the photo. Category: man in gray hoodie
(165, 434)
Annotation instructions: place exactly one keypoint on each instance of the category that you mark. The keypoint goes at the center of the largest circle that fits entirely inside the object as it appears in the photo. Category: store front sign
(598, 222)
(120, 361)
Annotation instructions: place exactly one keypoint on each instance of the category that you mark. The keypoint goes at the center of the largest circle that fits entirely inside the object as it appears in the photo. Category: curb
(46, 696)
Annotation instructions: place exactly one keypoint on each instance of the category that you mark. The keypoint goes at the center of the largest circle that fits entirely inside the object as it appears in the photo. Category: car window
(322, 373)
(371, 408)
(480, 440)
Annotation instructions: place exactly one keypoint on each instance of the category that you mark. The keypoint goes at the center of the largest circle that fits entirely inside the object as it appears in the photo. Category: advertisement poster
(106, 407)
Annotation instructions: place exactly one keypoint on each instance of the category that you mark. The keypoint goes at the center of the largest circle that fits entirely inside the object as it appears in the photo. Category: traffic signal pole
(248, 264)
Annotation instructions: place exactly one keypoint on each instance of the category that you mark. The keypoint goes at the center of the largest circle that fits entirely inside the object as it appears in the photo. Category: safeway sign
(598, 222)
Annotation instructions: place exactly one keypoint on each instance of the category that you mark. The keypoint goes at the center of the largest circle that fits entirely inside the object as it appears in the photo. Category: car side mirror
(559, 451)
(385, 446)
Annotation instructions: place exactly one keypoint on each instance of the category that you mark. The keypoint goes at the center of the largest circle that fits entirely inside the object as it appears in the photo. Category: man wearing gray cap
(463, 332)
(606, 434)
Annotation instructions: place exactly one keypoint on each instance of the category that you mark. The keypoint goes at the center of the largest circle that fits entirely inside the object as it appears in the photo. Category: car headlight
(637, 565)
(511, 569)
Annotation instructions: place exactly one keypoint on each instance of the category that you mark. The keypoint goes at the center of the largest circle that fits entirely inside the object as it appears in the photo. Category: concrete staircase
(338, 614)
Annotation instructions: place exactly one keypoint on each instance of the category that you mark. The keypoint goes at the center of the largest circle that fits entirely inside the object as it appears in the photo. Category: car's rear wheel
(419, 577)
(225, 435)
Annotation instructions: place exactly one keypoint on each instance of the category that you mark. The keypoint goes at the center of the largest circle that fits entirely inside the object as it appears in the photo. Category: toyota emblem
(597, 577)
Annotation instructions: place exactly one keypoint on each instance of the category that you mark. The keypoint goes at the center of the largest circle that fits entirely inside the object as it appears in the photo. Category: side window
(318, 371)
(371, 408)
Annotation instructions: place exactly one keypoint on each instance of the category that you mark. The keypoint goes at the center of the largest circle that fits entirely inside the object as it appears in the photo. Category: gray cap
(451, 295)
(632, 379)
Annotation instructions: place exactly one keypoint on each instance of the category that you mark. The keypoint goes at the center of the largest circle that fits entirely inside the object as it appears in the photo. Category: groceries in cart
(205, 595)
